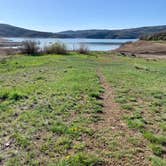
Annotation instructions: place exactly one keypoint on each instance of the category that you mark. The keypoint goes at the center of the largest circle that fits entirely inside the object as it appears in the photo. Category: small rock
(7, 144)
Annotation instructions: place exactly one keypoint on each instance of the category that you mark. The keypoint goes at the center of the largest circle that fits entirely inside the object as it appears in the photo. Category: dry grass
(56, 48)
(83, 49)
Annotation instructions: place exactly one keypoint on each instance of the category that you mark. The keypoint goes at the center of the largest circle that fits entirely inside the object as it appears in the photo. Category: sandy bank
(144, 49)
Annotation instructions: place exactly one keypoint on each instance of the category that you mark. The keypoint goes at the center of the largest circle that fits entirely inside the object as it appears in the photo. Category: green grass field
(50, 104)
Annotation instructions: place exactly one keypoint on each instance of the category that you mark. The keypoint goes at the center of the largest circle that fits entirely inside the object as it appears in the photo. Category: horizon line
(82, 29)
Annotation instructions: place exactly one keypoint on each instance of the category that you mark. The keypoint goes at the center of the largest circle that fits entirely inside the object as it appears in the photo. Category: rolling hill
(115, 34)
(12, 31)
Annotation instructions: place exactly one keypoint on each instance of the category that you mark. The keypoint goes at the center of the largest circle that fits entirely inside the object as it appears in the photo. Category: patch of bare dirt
(114, 138)
(143, 49)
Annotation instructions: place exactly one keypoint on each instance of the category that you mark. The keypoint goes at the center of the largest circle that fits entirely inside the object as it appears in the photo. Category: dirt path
(121, 145)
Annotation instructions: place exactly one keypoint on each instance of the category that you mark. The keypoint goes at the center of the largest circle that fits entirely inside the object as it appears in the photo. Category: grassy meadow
(50, 105)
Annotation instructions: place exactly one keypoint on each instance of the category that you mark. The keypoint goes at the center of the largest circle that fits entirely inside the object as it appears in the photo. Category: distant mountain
(12, 31)
(115, 34)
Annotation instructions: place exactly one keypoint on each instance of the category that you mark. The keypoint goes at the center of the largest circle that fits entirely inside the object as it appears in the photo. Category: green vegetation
(161, 36)
(140, 89)
(46, 106)
(80, 159)
(51, 108)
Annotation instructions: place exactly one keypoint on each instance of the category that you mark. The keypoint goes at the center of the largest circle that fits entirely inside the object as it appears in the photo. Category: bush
(30, 47)
(56, 48)
(83, 49)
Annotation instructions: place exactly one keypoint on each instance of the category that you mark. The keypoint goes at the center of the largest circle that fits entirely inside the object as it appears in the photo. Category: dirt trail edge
(121, 145)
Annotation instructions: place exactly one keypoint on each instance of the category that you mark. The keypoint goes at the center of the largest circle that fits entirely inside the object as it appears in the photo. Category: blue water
(92, 44)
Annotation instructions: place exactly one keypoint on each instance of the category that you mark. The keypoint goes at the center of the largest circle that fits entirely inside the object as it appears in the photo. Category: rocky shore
(8, 47)
(9, 43)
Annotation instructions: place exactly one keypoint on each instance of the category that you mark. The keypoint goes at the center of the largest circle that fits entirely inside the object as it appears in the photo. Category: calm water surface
(92, 44)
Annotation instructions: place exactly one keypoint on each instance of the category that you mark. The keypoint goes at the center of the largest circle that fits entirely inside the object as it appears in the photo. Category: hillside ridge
(133, 33)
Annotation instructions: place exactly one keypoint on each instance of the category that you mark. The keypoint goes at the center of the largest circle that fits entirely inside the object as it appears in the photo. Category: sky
(60, 15)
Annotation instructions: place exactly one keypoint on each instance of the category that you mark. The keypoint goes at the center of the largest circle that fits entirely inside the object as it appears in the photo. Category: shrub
(83, 49)
(56, 48)
(30, 47)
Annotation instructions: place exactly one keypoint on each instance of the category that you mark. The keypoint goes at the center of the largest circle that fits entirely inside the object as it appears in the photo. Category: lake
(92, 44)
